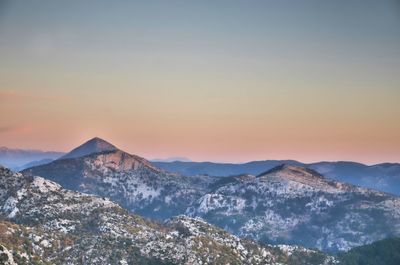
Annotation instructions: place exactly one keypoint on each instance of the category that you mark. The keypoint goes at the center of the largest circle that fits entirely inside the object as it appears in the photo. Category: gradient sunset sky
(209, 80)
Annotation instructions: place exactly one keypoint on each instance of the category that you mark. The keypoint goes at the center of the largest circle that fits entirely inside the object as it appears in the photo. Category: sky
(223, 80)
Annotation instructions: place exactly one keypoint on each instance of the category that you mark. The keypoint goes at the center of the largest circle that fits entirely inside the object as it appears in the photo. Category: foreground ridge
(41, 219)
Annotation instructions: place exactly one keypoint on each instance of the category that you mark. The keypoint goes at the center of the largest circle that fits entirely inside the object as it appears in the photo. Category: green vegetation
(384, 252)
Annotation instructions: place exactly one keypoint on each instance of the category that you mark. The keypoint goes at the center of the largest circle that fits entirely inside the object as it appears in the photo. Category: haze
(209, 80)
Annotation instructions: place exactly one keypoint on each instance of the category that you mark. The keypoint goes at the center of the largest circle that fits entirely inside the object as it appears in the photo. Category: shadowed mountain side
(94, 145)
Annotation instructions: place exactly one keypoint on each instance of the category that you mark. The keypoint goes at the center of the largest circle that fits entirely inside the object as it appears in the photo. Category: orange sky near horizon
(231, 134)
(212, 82)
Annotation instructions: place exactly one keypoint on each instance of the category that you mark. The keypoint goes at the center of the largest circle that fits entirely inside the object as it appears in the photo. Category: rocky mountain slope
(127, 179)
(38, 218)
(384, 177)
(286, 205)
(295, 205)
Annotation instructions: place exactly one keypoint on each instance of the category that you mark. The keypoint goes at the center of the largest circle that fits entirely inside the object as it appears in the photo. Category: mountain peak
(291, 172)
(94, 145)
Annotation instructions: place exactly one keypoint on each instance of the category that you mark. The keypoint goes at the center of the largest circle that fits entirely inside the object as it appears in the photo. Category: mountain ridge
(128, 179)
(38, 218)
(295, 205)
(384, 177)
(276, 207)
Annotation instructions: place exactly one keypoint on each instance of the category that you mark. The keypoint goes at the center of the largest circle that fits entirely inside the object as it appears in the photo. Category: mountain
(284, 205)
(34, 164)
(127, 179)
(294, 205)
(94, 145)
(15, 158)
(384, 177)
(221, 169)
(383, 252)
(42, 223)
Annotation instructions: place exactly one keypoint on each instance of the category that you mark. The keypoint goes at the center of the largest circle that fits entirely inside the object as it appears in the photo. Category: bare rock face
(119, 161)
(305, 176)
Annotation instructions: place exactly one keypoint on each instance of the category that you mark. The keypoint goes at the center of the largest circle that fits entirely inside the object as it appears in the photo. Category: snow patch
(44, 185)
(10, 207)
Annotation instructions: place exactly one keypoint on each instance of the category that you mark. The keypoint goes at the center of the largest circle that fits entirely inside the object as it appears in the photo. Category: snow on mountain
(291, 204)
(67, 227)
(285, 205)
(129, 180)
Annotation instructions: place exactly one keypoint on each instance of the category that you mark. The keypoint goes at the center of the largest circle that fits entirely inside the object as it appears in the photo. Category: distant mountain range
(18, 159)
(285, 204)
(384, 177)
